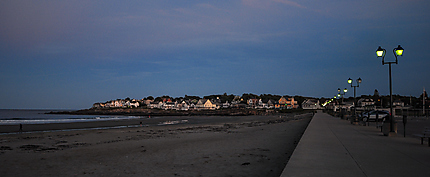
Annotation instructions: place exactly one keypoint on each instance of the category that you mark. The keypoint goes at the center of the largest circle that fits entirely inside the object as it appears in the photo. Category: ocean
(38, 116)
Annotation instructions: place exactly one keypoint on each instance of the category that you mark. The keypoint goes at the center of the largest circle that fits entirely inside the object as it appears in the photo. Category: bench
(424, 134)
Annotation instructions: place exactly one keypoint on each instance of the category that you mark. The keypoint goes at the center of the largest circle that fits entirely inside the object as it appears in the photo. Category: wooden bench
(425, 134)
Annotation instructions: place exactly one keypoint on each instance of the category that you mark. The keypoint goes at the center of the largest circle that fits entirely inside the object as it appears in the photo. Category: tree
(267, 97)
(188, 97)
(149, 98)
(247, 96)
(158, 99)
(376, 93)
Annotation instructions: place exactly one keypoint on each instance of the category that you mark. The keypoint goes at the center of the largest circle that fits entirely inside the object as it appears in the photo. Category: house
(192, 105)
(209, 105)
(99, 105)
(291, 103)
(132, 104)
(226, 105)
(154, 104)
(183, 106)
(271, 104)
(282, 103)
(398, 103)
(261, 104)
(206, 104)
(288, 103)
(166, 100)
(311, 104)
(119, 103)
(168, 105)
(365, 102)
(201, 104)
(253, 102)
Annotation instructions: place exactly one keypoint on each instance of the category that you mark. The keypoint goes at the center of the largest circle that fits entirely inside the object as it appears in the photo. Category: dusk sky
(71, 54)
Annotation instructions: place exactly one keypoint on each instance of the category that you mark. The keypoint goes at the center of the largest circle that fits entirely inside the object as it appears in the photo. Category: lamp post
(380, 52)
(355, 86)
(341, 103)
(334, 102)
(341, 94)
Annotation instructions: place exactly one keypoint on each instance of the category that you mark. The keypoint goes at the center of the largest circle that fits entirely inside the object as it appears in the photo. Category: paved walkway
(333, 147)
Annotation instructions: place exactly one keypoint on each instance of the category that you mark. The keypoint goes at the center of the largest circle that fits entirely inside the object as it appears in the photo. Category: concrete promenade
(331, 146)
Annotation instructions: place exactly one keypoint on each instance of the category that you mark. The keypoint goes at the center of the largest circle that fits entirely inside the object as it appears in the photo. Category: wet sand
(204, 146)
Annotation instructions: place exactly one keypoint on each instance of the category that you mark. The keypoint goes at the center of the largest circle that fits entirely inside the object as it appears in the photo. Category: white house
(134, 104)
(311, 104)
(154, 104)
(365, 102)
(183, 106)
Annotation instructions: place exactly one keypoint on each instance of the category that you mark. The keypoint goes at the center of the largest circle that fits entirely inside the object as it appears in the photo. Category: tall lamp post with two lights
(355, 86)
(380, 52)
(339, 95)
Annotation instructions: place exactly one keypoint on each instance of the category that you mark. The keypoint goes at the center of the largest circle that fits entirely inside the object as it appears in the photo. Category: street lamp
(380, 52)
(338, 95)
(341, 94)
(358, 85)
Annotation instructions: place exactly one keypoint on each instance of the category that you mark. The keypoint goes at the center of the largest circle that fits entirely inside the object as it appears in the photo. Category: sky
(71, 54)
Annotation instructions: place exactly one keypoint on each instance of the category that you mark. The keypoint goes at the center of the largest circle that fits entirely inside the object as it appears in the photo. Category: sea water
(39, 116)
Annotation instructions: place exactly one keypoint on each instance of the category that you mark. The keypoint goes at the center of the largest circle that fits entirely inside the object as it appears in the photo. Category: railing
(412, 112)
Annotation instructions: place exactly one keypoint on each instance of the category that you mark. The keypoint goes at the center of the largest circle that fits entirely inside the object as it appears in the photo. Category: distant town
(211, 102)
(265, 101)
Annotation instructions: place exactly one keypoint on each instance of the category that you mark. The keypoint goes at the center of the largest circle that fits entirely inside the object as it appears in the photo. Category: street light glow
(349, 81)
(399, 51)
(380, 52)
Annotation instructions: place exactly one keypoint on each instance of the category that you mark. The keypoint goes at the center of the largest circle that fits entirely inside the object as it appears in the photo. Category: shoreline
(222, 146)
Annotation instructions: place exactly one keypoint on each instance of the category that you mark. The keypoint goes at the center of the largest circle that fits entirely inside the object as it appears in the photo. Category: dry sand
(247, 146)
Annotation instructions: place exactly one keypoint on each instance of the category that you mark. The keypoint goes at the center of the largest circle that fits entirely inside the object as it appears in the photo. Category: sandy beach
(202, 146)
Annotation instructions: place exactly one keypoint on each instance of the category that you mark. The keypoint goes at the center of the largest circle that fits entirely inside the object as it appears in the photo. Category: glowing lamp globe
(399, 51)
(380, 52)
